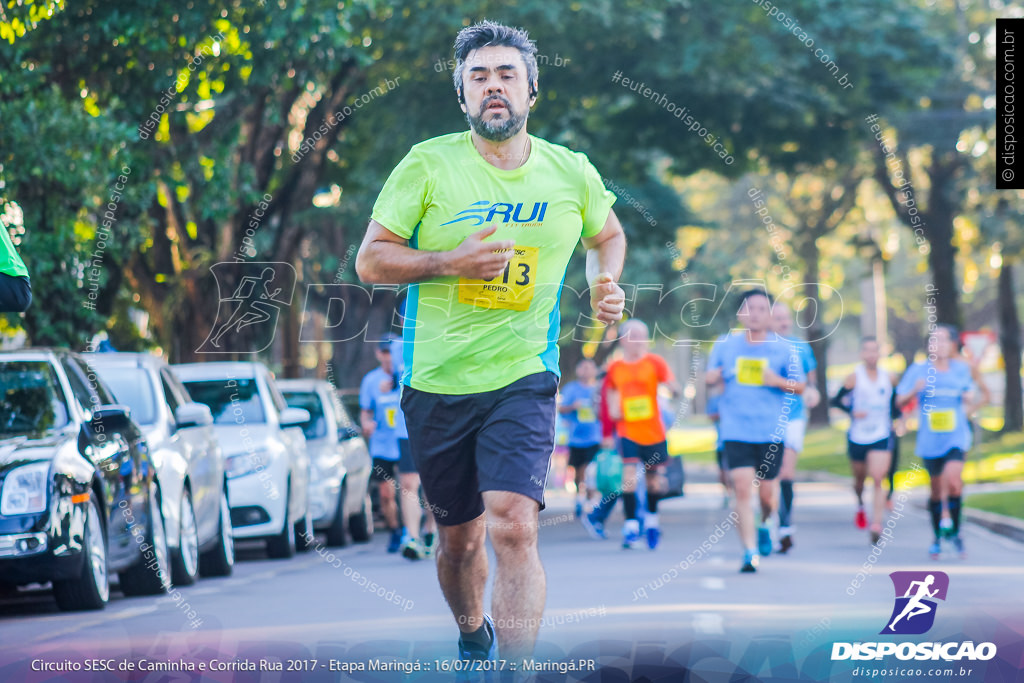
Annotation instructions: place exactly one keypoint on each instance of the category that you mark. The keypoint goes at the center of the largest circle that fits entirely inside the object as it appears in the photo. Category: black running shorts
(858, 452)
(465, 444)
(935, 465)
(765, 458)
(581, 456)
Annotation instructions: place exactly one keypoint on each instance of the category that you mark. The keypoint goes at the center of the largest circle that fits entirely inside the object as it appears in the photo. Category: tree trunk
(291, 365)
(1010, 343)
(810, 317)
(944, 202)
(942, 264)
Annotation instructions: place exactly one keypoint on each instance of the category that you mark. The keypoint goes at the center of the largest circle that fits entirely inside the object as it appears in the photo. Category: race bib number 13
(513, 289)
(750, 371)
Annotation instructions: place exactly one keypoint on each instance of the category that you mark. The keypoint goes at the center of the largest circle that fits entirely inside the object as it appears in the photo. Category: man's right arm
(713, 371)
(386, 258)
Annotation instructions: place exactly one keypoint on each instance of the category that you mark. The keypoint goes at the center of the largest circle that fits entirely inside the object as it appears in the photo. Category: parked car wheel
(90, 589)
(336, 534)
(304, 541)
(360, 525)
(220, 559)
(282, 546)
(185, 562)
(151, 575)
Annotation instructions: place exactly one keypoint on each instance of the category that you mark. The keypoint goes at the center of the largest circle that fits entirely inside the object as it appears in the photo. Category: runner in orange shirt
(632, 384)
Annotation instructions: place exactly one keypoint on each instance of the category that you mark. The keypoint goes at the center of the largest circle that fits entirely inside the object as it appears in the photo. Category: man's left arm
(606, 253)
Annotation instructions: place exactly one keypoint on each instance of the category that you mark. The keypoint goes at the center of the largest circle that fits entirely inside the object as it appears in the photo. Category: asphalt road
(638, 612)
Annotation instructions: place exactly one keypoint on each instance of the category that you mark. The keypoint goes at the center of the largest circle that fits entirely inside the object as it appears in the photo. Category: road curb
(1004, 525)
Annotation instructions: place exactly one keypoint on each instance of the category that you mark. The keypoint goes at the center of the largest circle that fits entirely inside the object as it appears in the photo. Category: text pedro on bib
(513, 289)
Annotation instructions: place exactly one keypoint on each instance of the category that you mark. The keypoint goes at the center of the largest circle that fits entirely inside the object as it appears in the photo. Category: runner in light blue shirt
(946, 393)
(379, 410)
(761, 374)
(782, 322)
(578, 406)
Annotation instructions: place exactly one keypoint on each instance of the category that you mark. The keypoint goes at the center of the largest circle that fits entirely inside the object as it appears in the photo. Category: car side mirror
(193, 415)
(112, 417)
(347, 433)
(294, 417)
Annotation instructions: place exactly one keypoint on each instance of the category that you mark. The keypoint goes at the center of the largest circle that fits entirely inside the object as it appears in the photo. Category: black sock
(629, 504)
(652, 502)
(482, 636)
(954, 513)
(935, 507)
(786, 503)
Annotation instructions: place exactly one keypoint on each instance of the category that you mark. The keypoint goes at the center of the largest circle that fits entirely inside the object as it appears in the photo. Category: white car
(187, 457)
(339, 492)
(266, 460)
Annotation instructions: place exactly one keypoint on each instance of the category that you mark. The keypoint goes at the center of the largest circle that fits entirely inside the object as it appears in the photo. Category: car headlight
(24, 490)
(247, 463)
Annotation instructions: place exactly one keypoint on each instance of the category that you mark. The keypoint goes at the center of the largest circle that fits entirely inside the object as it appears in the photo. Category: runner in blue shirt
(762, 374)
(712, 409)
(782, 321)
(414, 507)
(946, 393)
(577, 404)
(379, 415)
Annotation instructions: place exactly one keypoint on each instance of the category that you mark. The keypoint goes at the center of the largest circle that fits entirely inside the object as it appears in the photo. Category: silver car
(188, 459)
(266, 460)
(339, 488)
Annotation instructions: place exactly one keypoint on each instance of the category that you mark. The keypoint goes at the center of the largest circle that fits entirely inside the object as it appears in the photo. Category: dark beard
(500, 131)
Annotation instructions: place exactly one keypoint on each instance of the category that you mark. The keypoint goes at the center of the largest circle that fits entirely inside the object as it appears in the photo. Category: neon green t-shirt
(10, 263)
(467, 336)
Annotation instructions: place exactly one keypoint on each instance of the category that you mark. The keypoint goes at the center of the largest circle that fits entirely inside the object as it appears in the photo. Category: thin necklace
(526, 148)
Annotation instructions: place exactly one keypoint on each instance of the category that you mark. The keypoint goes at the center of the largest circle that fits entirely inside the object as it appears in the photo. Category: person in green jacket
(15, 289)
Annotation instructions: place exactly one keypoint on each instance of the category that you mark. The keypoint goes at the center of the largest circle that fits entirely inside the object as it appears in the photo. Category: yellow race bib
(638, 408)
(513, 289)
(942, 420)
(586, 415)
(750, 371)
(389, 415)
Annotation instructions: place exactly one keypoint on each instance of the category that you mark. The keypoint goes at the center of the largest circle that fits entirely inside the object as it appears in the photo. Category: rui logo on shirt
(484, 211)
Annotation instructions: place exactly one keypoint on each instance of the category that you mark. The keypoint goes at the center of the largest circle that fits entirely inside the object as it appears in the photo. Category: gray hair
(492, 34)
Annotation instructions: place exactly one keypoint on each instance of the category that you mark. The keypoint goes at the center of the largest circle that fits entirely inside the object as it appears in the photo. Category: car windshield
(31, 401)
(231, 401)
(133, 388)
(316, 427)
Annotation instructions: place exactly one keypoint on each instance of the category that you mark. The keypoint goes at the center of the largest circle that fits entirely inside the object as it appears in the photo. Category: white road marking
(708, 622)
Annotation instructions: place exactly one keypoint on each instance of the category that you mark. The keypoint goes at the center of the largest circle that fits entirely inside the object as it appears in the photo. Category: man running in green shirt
(15, 289)
(482, 324)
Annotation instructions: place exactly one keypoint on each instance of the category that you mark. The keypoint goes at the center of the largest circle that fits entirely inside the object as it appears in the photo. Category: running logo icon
(916, 593)
(254, 306)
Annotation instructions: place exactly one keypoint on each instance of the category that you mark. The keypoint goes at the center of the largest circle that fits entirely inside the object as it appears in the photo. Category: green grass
(1004, 503)
(825, 451)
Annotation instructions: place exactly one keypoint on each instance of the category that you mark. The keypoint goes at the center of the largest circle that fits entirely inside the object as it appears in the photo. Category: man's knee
(514, 536)
(656, 482)
(461, 543)
(512, 521)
